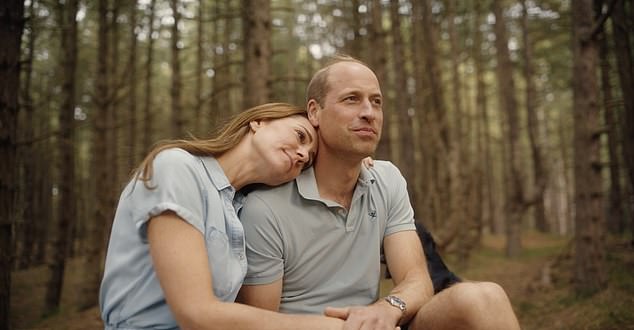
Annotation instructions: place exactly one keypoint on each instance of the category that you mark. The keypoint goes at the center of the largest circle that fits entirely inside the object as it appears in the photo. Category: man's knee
(484, 305)
(471, 299)
(468, 305)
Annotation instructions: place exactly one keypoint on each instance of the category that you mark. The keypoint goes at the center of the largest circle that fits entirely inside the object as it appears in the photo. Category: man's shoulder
(383, 169)
(270, 194)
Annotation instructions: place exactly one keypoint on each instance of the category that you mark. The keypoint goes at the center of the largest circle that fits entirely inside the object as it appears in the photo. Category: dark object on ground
(441, 276)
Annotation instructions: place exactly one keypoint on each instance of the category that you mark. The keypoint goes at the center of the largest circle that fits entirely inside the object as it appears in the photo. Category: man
(314, 244)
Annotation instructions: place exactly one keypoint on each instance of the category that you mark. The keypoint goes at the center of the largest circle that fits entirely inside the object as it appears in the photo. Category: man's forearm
(416, 289)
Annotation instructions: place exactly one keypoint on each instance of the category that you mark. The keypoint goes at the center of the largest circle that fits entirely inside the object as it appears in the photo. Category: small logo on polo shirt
(372, 214)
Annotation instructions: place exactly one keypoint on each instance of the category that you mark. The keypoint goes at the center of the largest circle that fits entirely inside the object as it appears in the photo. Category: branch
(598, 26)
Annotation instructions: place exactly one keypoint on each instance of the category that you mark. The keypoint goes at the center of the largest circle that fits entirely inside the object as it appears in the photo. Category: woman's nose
(302, 152)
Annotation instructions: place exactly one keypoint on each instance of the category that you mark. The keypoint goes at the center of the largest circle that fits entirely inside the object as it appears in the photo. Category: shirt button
(241, 256)
(342, 212)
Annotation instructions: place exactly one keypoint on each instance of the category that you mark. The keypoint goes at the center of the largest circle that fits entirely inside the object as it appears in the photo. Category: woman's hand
(368, 162)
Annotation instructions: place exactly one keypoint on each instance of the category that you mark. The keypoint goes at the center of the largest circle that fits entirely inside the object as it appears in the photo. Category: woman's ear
(313, 112)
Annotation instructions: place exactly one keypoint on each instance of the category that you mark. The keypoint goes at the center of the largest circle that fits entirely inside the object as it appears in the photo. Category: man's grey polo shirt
(326, 255)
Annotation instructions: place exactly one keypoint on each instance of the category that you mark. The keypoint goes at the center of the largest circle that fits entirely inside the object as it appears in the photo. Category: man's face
(351, 118)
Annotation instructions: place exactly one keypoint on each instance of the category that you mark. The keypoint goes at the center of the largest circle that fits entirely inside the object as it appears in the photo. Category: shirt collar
(307, 184)
(220, 181)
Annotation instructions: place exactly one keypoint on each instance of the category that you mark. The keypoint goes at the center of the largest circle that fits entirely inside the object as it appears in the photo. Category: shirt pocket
(225, 268)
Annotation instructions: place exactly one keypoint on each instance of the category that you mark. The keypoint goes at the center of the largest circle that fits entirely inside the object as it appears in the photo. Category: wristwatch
(396, 302)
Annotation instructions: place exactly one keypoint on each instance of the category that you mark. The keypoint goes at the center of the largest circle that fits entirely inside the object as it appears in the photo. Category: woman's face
(286, 146)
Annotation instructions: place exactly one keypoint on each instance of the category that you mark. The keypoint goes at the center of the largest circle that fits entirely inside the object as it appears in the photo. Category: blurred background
(512, 121)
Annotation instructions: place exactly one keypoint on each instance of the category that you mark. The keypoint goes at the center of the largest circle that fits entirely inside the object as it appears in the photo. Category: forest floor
(539, 283)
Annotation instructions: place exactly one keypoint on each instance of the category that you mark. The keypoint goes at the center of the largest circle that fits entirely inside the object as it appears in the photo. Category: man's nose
(367, 110)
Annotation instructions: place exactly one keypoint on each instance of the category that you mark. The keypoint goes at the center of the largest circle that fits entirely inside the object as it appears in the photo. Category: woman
(176, 251)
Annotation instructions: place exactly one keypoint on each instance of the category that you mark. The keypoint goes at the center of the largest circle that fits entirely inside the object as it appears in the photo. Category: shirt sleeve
(175, 186)
(400, 211)
(264, 242)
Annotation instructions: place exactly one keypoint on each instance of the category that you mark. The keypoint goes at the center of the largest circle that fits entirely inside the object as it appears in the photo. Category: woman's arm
(180, 260)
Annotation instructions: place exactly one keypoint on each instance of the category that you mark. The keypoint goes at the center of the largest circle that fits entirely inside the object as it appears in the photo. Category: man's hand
(376, 316)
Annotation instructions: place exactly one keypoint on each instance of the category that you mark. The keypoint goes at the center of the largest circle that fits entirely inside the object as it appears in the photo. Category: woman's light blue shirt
(198, 191)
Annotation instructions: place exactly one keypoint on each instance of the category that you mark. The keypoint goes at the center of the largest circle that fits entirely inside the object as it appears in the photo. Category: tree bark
(147, 103)
(624, 59)
(96, 231)
(539, 170)
(65, 159)
(28, 129)
(615, 217)
(199, 121)
(354, 47)
(178, 117)
(401, 106)
(508, 104)
(11, 28)
(423, 204)
(257, 51)
(484, 149)
(132, 96)
(456, 84)
(378, 63)
(589, 268)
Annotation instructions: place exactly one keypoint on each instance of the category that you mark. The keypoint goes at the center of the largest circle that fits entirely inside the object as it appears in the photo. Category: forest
(512, 121)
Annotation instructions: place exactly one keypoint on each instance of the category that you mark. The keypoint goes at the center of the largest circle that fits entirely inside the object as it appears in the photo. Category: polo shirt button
(342, 212)
(241, 256)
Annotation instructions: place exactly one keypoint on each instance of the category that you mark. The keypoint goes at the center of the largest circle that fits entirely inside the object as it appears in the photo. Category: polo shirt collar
(307, 184)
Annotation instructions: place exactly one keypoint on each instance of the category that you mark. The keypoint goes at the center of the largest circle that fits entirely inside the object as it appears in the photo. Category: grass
(557, 306)
(538, 305)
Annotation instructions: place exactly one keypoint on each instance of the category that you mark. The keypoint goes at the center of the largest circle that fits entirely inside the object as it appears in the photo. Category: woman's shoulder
(175, 157)
(174, 154)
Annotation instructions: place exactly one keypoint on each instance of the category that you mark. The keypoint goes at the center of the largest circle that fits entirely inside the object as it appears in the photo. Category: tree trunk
(11, 27)
(378, 63)
(29, 150)
(508, 104)
(257, 51)
(483, 122)
(199, 121)
(147, 103)
(216, 103)
(456, 85)
(92, 261)
(589, 272)
(422, 184)
(355, 46)
(401, 107)
(114, 119)
(45, 178)
(539, 171)
(132, 158)
(65, 159)
(615, 217)
(623, 51)
(178, 117)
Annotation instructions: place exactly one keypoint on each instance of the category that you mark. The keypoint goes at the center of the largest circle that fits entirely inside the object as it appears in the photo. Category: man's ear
(255, 125)
(313, 108)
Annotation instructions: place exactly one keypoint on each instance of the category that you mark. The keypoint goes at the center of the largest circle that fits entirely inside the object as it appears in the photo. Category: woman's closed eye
(301, 135)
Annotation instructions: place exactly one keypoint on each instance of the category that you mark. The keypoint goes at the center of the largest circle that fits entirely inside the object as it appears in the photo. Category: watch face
(396, 302)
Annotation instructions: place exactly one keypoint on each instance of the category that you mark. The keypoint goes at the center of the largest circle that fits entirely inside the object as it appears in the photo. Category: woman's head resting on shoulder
(283, 138)
(284, 146)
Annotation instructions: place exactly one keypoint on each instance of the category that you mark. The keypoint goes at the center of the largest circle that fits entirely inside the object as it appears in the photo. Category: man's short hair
(318, 86)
